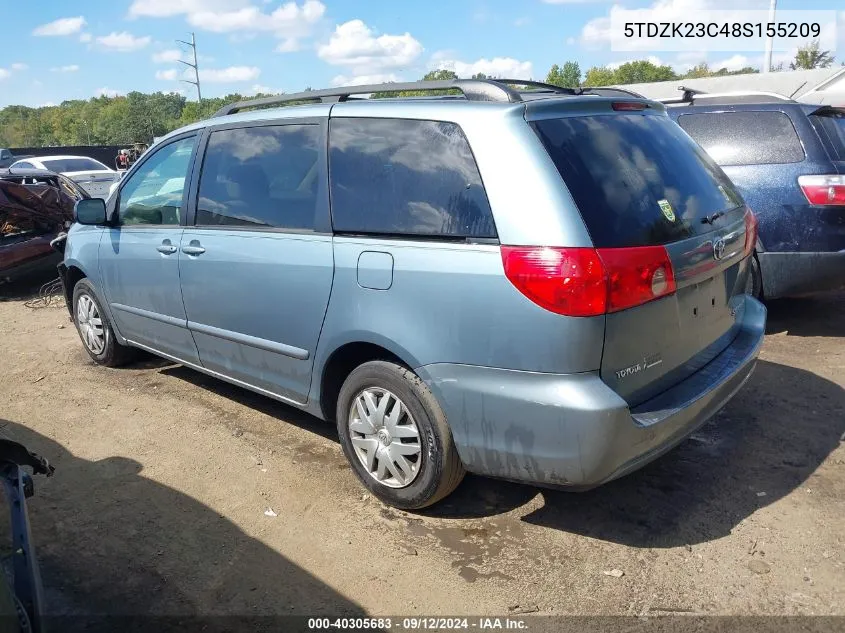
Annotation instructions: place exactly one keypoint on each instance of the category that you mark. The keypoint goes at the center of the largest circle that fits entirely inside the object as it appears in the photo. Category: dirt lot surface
(164, 476)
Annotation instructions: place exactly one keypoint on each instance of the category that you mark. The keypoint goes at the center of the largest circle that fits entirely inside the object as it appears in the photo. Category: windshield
(638, 180)
(63, 165)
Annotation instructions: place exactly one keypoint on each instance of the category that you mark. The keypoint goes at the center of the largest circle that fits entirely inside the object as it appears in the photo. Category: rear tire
(384, 407)
(754, 285)
(94, 328)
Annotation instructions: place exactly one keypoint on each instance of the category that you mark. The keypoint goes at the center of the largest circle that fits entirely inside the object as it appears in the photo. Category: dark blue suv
(788, 161)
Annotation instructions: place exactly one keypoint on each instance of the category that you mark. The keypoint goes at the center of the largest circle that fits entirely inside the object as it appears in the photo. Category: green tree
(599, 76)
(643, 71)
(699, 70)
(810, 56)
(567, 77)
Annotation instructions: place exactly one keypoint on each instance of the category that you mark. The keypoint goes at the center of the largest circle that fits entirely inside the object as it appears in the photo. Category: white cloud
(18, 66)
(364, 80)
(167, 75)
(85, 38)
(288, 45)
(71, 68)
(505, 67)
(4, 73)
(167, 8)
(288, 20)
(167, 57)
(107, 92)
(256, 88)
(230, 74)
(123, 42)
(355, 45)
(735, 62)
(62, 26)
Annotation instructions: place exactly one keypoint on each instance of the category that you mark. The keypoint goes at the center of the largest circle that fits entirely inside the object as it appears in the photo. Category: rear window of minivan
(638, 180)
(745, 138)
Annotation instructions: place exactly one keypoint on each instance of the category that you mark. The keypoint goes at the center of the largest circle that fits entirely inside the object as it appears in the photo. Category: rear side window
(266, 176)
(832, 124)
(638, 180)
(745, 138)
(404, 177)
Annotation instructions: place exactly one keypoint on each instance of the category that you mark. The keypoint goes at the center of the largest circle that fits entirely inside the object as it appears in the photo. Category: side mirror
(90, 211)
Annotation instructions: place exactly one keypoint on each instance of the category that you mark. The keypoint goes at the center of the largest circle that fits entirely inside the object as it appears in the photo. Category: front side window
(154, 193)
(406, 177)
(264, 176)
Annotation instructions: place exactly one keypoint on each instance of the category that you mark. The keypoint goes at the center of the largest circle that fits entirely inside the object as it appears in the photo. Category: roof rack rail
(541, 85)
(688, 96)
(473, 90)
(739, 96)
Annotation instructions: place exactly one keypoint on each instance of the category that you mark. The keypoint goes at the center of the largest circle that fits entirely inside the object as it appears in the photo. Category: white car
(88, 173)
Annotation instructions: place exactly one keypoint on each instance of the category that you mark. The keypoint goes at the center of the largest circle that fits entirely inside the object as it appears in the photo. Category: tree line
(138, 117)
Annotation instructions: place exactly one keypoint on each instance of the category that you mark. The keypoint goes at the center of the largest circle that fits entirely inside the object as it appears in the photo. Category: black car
(788, 161)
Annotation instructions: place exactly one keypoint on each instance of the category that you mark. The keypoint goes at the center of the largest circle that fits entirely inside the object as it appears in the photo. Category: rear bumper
(573, 430)
(789, 274)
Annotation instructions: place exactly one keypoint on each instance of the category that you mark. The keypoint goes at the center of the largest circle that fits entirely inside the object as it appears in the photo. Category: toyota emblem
(719, 248)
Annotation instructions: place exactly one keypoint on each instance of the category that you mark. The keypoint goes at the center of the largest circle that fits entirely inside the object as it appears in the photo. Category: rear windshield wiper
(710, 219)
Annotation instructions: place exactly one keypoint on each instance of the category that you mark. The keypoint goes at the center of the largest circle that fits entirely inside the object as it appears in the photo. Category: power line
(195, 66)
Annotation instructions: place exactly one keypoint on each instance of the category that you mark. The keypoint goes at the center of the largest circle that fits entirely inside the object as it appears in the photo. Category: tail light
(588, 281)
(823, 189)
(750, 231)
(628, 106)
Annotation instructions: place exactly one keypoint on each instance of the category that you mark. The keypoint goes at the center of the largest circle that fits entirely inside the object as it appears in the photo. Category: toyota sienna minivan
(540, 285)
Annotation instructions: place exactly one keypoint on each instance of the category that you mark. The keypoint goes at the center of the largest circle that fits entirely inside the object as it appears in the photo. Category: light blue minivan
(541, 285)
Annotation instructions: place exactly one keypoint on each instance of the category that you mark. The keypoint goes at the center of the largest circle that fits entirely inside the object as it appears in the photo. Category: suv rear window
(745, 138)
(405, 177)
(638, 180)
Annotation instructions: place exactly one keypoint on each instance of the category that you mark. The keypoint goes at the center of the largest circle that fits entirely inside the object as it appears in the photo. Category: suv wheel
(95, 330)
(754, 285)
(395, 435)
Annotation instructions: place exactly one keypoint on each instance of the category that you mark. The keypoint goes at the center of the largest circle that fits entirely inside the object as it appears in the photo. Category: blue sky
(75, 50)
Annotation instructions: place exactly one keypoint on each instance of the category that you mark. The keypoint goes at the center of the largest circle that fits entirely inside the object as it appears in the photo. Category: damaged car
(36, 208)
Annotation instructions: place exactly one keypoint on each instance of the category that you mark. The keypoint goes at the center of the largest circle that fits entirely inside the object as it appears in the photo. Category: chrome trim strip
(214, 374)
(252, 341)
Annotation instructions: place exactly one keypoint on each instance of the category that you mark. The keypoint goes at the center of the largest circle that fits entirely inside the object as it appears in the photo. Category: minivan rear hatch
(639, 181)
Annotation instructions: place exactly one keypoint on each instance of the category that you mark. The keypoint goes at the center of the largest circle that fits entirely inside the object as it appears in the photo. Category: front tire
(95, 329)
(396, 437)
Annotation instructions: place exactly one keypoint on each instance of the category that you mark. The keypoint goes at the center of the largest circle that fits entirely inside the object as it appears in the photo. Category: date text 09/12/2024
(419, 624)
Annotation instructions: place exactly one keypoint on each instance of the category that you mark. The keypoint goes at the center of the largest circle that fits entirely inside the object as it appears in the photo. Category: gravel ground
(164, 476)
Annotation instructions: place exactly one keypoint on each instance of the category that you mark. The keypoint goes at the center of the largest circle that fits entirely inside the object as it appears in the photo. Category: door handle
(193, 249)
(167, 249)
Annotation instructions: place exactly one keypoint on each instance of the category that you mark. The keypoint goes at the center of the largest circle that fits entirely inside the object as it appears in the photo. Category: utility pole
(195, 66)
(767, 58)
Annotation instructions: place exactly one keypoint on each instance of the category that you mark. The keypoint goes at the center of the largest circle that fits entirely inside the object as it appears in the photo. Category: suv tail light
(750, 231)
(589, 281)
(823, 189)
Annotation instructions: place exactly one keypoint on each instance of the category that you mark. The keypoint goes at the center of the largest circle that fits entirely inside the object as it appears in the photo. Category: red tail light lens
(588, 281)
(628, 106)
(636, 275)
(750, 231)
(823, 189)
(567, 281)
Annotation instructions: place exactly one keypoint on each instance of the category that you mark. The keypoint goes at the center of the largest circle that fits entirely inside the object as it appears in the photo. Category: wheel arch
(344, 358)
